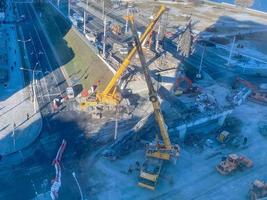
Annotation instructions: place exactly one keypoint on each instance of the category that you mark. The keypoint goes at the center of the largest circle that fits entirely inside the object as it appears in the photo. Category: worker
(130, 170)
(137, 166)
(245, 141)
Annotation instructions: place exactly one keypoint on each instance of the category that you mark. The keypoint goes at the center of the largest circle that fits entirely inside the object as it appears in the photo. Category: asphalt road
(25, 174)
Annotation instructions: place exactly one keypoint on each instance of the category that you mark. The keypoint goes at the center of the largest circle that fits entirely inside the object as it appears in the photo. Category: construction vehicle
(157, 151)
(70, 92)
(232, 140)
(258, 190)
(232, 163)
(111, 95)
(257, 95)
(116, 29)
(179, 90)
(223, 137)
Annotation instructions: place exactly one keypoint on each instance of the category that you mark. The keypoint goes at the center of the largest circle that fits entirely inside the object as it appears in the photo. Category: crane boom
(110, 95)
(152, 93)
(155, 152)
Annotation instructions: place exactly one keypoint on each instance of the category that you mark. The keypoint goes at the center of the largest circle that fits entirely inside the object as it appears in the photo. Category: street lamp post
(104, 39)
(126, 22)
(231, 51)
(69, 8)
(13, 136)
(103, 9)
(198, 75)
(84, 21)
(24, 45)
(76, 180)
(33, 84)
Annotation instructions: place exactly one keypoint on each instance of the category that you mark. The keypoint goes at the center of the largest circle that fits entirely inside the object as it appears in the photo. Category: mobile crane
(111, 95)
(157, 151)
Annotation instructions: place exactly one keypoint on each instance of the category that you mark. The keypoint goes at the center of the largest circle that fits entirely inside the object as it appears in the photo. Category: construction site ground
(193, 176)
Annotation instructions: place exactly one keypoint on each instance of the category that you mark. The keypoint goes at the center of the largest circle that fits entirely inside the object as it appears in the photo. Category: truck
(70, 92)
(90, 37)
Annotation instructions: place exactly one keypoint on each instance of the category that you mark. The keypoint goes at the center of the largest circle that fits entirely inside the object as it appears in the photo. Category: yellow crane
(157, 151)
(110, 95)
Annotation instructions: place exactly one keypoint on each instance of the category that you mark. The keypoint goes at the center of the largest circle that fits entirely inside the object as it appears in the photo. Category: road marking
(43, 49)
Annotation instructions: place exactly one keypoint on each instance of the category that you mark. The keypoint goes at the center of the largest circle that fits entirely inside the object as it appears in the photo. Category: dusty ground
(193, 176)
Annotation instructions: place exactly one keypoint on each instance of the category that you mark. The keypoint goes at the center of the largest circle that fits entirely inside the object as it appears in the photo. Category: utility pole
(24, 45)
(104, 39)
(231, 51)
(84, 22)
(103, 9)
(158, 37)
(126, 24)
(13, 136)
(76, 180)
(116, 124)
(34, 92)
(33, 84)
(69, 8)
(198, 75)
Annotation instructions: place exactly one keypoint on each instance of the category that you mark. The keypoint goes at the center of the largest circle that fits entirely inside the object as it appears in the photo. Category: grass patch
(79, 61)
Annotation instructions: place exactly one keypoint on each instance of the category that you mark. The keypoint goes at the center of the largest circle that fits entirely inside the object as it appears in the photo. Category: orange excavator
(257, 95)
(184, 85)
(232, 163)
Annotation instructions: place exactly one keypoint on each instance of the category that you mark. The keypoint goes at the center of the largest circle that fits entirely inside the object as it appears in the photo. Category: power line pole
(84, 22)
(201, 62)
(126, 24)
(79, 187)
(158, 38)
(69, 8)
(116, 124)
(103, 9)
(104, 39)
(13, 136)
(34, 92)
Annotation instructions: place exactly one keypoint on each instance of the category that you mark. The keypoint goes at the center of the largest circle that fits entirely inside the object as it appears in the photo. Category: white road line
(43, 50)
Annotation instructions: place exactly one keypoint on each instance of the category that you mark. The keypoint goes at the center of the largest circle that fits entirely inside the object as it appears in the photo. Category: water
(258, 4)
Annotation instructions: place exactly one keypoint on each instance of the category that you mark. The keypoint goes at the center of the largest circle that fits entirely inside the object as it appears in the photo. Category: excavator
(257, 95)
(111, 95)
(158, 151)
